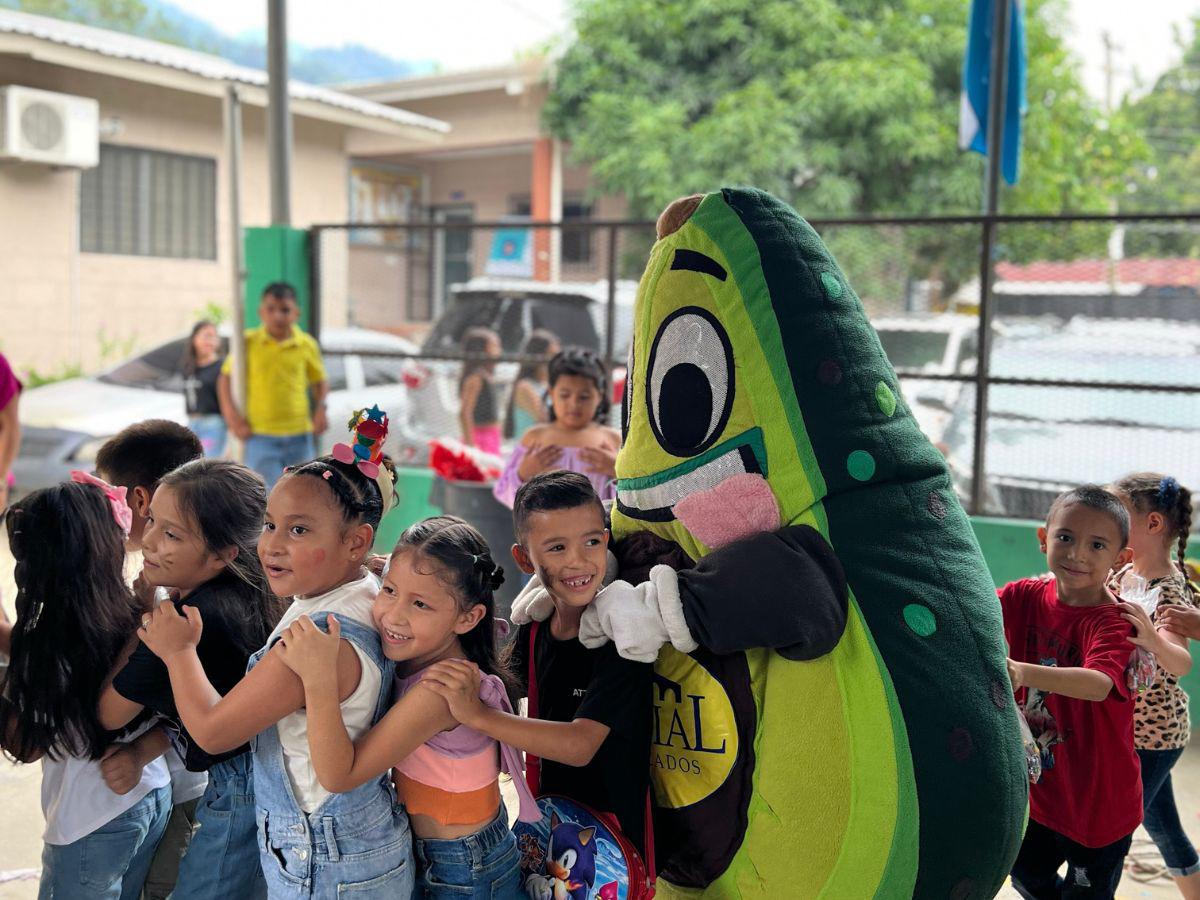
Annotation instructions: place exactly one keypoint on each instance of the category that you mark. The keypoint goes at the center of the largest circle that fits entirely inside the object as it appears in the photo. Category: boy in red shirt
(1069, 648)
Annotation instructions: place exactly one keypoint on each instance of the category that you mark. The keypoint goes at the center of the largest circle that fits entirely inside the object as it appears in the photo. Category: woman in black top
(478, 413)
(201, 366)
(200, 540)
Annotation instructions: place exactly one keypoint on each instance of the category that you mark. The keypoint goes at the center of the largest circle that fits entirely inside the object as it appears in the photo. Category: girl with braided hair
(1158, 601)
(436, 604)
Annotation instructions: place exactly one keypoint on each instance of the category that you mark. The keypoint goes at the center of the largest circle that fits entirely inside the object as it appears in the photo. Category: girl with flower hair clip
(1159, 603)
(320, 525)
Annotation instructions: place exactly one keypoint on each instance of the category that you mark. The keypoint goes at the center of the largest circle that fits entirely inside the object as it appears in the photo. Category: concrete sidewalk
(21, 816)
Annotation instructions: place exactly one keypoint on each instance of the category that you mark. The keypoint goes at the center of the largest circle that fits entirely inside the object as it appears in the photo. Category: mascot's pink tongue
(738, 507)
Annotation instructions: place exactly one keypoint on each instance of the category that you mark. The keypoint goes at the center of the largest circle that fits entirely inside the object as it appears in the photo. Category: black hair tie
(490, 574)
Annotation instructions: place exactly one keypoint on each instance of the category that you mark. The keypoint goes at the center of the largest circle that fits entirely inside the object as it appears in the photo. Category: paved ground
(21, 817)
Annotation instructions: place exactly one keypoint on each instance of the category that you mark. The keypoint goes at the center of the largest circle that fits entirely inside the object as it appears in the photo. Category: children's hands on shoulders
(457, 682)
(1181, 620)
(1145, 634)
(167, 632)
(309, 652)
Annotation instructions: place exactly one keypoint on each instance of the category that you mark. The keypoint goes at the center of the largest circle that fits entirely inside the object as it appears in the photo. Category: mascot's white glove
(639, 619)
(534, 603)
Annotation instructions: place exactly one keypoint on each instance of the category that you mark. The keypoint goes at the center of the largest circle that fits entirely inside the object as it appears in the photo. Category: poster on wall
(380, 196)
(511, 253)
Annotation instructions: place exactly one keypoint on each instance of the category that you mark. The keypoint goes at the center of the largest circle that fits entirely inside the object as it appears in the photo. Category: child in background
(320, 525)
(1160, 515)
(201, 370)
(436, 604)
(204, 521)
(477, 411)
(575, 438)
(527, 400)
(593, 732)
(283, 366)
(74, 617)
(1069, 648)
(137, 458)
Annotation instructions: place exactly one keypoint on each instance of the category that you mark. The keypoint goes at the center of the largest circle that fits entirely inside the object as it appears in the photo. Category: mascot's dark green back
(891, 766)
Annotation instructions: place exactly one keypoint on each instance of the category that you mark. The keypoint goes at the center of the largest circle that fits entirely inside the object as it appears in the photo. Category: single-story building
(103, 260)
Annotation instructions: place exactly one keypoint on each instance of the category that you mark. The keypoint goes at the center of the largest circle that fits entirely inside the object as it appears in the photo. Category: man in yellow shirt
(283, 364)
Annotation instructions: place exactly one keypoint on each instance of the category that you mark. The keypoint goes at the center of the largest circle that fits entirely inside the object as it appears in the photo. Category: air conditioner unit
(45, 127)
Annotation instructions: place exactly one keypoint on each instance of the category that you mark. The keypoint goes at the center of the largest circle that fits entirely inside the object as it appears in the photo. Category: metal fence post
(314, 283)
(982, 366)
(610, 312)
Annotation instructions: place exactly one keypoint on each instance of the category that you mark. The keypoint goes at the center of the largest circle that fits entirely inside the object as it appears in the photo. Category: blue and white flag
(973, 112)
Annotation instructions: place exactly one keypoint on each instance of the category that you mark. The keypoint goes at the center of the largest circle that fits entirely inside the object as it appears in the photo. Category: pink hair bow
(121, 512)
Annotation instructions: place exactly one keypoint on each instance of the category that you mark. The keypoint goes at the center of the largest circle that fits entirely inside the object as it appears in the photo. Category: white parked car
(64, 424)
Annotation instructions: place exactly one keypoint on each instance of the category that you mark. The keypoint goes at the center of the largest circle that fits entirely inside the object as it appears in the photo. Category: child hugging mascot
(833, 713)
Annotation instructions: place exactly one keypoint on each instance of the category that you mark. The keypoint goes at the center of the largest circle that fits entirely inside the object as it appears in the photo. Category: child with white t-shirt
(75, 614)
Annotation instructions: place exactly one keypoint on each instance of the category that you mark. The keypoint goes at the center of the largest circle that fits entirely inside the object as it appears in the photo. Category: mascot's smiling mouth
(652, 498)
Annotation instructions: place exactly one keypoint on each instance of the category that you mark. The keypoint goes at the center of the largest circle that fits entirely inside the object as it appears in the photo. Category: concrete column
(541, 206)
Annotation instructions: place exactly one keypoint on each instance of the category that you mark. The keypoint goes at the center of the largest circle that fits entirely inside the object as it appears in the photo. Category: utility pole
(1116, 240)
(279, 120)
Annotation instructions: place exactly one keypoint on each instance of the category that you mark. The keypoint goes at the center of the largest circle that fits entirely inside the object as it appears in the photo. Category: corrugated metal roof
(128, 47)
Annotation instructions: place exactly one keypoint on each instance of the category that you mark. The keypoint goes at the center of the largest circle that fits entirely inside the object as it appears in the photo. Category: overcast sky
(467, 33)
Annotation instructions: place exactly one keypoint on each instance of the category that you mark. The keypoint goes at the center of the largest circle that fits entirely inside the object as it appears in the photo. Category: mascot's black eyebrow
(698, 262)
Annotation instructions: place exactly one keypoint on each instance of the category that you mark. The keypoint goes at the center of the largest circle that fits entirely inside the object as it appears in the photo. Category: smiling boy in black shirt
(593, 708)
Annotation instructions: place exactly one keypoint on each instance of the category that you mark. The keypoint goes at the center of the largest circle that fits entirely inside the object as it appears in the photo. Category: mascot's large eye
(626, 394)
(689, 382)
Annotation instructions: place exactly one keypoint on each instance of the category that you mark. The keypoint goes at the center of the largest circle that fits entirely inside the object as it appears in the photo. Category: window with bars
(141, 202)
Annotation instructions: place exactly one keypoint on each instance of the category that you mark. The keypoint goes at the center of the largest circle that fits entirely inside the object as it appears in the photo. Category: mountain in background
(162, 21)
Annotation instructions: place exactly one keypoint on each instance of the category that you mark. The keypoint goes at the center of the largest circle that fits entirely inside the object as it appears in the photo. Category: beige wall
(59, 307)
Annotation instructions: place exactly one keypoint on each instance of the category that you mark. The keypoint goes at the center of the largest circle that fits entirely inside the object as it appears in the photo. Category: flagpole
(997, 93)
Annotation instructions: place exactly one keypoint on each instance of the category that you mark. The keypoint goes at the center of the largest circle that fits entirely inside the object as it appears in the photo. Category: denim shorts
(269, 454)
(485, 865)
(110, 863)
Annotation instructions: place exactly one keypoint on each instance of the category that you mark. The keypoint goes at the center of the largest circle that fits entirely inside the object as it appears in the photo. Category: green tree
(1169, 116)
(842, 107)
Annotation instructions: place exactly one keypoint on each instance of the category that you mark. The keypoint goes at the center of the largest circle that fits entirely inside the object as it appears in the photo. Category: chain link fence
(1072, 354)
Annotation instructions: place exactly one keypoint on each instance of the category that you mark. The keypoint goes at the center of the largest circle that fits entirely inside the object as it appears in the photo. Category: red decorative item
(455, 461)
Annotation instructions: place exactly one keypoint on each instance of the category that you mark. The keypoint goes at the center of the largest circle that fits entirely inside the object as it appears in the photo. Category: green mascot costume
(833, 713)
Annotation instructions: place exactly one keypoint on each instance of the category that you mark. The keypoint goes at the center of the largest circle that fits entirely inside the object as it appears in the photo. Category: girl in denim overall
(436, 604)
(320, 525)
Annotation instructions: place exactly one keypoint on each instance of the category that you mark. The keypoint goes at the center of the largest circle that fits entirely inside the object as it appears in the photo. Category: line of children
(406, 674)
